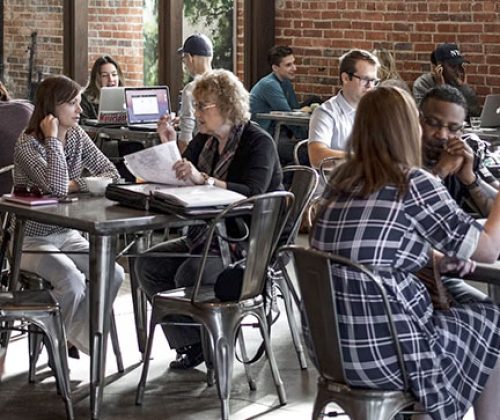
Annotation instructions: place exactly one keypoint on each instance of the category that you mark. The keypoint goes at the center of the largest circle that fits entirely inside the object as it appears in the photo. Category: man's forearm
(483, 195)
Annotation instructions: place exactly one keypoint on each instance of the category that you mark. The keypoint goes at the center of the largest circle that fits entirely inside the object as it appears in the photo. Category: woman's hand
(49, 126)
(186, 171)
(165, 129)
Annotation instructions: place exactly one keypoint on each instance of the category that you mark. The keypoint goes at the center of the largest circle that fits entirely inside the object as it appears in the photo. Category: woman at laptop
(229, 151)
(105, 72)
(49, 157)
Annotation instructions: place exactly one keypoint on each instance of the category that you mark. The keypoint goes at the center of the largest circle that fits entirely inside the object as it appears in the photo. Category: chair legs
(147, 356)
(360, 404)
(284, 284)
(56, 346)
(280, 389)
(35, 346)
(222, 331)
(113, 333)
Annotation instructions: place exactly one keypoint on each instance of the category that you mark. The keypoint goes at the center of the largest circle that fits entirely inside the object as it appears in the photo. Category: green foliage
(151, 53)
(217, 15)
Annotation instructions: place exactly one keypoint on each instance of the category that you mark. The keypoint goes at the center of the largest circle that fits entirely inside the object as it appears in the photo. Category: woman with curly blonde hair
(229, 152)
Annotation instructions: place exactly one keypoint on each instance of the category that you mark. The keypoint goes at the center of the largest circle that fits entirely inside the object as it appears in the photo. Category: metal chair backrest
(299, 146)
(269, 213)
(303, 186)
(314, 275)
(326, 167)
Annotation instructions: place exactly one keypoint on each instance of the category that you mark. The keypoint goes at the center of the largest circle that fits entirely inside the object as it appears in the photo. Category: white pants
(67, 273)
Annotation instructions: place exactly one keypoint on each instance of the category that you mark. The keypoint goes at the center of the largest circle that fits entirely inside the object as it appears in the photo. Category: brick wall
(115, 28)
(44, 17)
(321, 31)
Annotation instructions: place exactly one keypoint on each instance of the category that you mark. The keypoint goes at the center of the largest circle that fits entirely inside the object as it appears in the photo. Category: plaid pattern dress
(448, 354)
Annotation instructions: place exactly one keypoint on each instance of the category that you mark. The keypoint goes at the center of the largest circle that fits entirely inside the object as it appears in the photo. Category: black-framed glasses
(433, 122)
(22, 190)
(365, 81)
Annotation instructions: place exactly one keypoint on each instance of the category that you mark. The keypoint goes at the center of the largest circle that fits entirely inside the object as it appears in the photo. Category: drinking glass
(475, 123)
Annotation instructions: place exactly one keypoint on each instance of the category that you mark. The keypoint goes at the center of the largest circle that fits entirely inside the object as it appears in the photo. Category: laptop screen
(146, 104)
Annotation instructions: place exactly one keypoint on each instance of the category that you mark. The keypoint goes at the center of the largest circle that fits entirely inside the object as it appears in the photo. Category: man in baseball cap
(197, 53)
(197, 44)
(448, 69)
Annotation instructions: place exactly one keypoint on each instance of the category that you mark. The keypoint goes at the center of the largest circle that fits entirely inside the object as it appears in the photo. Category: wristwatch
(210, 181)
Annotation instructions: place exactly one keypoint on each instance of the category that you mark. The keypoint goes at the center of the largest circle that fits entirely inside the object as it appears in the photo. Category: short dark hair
(278, 53)
(445, 93)
(347, 63)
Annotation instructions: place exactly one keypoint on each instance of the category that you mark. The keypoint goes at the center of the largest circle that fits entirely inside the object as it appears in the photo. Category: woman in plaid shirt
(381, 209)
(51, 155)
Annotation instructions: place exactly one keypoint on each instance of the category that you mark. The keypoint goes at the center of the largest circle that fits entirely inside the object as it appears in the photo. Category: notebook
(490, 116)
(111, 107)
(31, 201)
(145, 106)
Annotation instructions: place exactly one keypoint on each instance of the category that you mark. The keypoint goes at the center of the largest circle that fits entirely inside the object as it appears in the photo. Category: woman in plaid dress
(381, 209)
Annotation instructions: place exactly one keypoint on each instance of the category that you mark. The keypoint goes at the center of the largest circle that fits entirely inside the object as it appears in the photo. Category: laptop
(490, 116)
(145, 106)
(111, 107)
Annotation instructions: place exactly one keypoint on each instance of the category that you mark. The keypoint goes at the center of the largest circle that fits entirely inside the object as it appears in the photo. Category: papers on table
(189, 197)
(198, 196)
(155, 164)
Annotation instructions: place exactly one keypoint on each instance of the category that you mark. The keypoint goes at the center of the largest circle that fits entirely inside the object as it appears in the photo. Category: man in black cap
(448, 69)
(197, 54)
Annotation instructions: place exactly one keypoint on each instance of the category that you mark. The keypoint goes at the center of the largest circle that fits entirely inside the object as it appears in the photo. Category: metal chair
(222, 319)
(297, 151)
(313, 269)
(327, 165)
(32, 281)
(39, 308)
(303, 186)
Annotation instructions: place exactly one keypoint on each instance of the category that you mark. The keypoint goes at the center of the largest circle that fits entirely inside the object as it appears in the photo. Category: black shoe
(188, 357)
(73, 352)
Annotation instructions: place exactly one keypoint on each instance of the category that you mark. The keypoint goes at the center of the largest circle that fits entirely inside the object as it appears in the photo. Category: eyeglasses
(22, 190)
(365, 81)
(201, 107)
(453, 128)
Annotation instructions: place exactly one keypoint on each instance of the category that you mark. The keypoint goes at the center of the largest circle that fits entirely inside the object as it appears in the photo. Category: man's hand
(456, 265)
(437, 74)
(458, 147)
(447, 164)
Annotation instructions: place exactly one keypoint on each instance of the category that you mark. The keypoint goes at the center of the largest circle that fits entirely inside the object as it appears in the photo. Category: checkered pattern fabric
(50, 165)
(448, 354)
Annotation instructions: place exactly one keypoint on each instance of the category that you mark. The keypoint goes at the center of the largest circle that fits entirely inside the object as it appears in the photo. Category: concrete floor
(169, 394)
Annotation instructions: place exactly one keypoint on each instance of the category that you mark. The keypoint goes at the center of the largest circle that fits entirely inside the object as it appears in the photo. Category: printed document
(155, 164)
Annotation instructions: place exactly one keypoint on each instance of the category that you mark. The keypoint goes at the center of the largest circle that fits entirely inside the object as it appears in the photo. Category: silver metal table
(103, 220)
(285, 118)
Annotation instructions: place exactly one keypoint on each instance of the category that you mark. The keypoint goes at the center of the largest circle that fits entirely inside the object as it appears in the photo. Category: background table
(287, 118)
